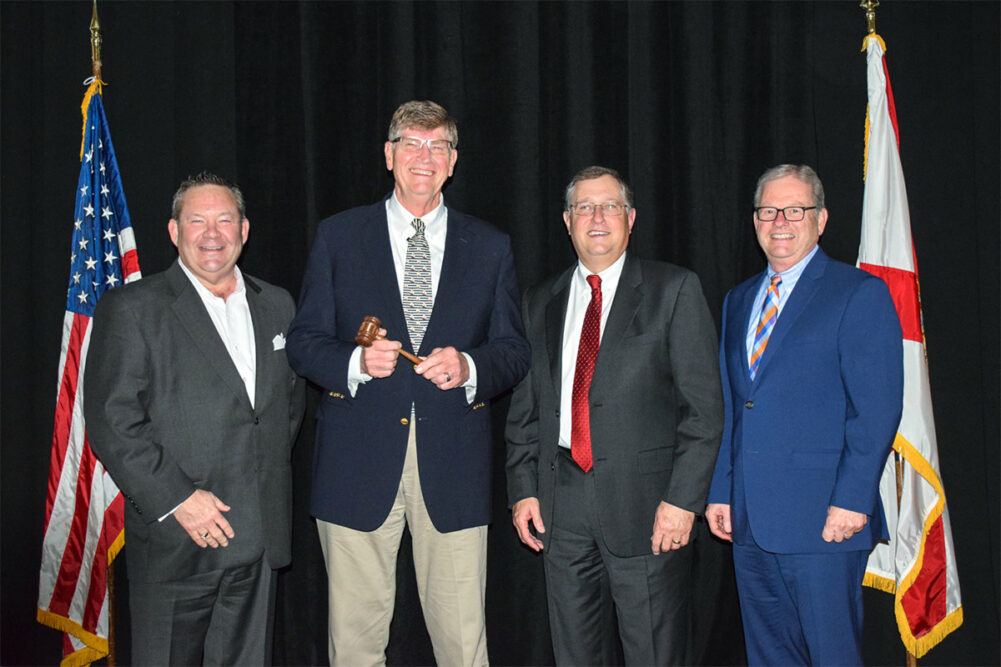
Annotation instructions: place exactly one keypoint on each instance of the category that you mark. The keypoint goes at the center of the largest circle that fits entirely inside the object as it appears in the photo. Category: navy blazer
(361, 441)
(815, 426)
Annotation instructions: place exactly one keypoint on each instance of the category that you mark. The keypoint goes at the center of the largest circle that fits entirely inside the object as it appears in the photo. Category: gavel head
(368, 331)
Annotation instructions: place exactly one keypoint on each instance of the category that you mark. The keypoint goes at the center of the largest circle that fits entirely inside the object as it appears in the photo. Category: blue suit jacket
(814, 428)
(361, 441)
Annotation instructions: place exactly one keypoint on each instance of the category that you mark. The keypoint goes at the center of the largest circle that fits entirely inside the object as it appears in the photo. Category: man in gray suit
(193, 409)
(611, 438)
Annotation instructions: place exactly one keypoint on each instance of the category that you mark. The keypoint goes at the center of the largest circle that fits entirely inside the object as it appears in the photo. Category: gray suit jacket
(655, 401)
(167, 413)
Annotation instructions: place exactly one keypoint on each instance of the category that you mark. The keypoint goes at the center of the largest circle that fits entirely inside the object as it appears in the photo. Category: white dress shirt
(398, 220)
(580, 297)
(231, 317)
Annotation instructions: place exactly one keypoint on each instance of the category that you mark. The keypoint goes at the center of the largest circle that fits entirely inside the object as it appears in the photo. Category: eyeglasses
(438, 147)
(790, 213)
(610, 209)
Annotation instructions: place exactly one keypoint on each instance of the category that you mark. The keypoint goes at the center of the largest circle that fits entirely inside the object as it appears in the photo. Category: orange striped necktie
(769, 315)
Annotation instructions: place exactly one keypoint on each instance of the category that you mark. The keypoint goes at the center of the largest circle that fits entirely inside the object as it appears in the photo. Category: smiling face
(419, 176)
(599, 239)
(209, 235)
(786, 243)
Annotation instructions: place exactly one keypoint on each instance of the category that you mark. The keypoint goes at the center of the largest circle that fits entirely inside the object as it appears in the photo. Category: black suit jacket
(167, 413)
(655, 402)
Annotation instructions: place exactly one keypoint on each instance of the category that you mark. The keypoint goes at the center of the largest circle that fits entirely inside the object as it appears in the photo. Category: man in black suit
(192, 407)
(612, 436)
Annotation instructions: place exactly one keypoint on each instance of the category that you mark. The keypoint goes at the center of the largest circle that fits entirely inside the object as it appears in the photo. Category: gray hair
(592, 172)
(205, 178)
(802, 172)
(425, 115)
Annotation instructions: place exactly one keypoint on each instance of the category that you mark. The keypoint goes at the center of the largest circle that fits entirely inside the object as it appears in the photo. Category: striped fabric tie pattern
(769, 315)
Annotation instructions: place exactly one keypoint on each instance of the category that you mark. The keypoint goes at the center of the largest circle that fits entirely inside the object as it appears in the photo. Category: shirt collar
(203, 291)
(400, 218)
(609, 277)
(793, 273)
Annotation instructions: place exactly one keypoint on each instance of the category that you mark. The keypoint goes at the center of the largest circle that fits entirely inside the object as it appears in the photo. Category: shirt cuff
(170, 513)
(355, 374)
(470, 384)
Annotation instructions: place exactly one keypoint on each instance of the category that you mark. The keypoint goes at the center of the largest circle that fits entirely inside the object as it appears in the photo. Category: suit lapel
(454, 265)
(556, 312)
(798, 301)
(628, 296)
(382, 275)
(190, 311)
(741, 321)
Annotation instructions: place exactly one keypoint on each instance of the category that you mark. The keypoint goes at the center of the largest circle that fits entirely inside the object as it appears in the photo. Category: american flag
(84, 519)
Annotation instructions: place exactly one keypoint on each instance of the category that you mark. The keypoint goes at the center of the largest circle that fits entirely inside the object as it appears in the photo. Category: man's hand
(525, 511)
(445, 367)
(200, 516)
(671, 528)
(718, 518)
(379, 359)
(842, 524)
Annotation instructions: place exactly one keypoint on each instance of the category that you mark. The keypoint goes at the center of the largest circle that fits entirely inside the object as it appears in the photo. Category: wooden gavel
(368, 333)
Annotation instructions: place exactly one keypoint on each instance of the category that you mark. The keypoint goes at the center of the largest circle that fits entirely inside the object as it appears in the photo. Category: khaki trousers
(451, 571)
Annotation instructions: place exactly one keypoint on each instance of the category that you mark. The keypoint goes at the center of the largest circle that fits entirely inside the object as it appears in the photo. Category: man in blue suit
(812, 368)
(399, 443)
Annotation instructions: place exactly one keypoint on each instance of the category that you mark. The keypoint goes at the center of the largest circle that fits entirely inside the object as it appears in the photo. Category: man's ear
(172, 230)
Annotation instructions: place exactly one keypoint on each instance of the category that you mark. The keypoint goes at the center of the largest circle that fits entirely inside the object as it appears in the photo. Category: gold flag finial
(870, 13)
(95, 43)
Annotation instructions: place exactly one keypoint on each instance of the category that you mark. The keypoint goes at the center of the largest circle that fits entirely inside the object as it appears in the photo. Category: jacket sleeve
(721, 486)
(314, 350)
(870, 348)
(297, 402)
(522, 436)
(694, 366)
(117, 394)
(504, 358)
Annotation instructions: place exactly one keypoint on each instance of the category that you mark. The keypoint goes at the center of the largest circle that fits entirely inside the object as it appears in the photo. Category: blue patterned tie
(769, 314)
(418, 298)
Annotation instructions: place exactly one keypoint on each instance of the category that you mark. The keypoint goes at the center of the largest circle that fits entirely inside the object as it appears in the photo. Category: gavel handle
(415, 359)
(412, 358)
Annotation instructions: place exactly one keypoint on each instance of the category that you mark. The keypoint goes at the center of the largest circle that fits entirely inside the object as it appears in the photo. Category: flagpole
(870, 18)
(95, 44)
(870, 14)
(95, 67)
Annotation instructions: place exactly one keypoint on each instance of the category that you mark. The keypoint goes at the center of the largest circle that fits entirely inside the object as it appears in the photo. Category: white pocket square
(279, 342)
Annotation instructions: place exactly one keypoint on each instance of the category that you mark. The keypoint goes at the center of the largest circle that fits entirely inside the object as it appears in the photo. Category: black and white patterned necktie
(418, 298)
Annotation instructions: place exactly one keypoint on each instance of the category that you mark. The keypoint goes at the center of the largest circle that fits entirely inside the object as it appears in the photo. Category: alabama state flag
(919, 563)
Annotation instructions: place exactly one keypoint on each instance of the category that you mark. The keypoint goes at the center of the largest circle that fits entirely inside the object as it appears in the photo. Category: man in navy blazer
(399, 443)
(813, 384)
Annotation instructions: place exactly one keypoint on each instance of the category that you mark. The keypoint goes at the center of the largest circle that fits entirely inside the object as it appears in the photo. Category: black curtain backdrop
(691, 101)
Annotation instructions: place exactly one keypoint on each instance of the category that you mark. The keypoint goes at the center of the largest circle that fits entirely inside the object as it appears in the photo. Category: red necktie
(587, 352)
